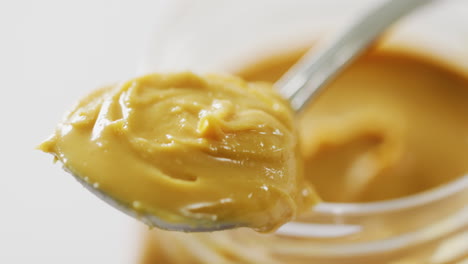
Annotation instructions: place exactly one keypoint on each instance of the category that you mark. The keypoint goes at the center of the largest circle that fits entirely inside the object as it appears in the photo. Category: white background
(51, 53)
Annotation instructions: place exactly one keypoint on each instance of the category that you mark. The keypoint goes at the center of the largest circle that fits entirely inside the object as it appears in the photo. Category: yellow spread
(189, 149)
(217, 150)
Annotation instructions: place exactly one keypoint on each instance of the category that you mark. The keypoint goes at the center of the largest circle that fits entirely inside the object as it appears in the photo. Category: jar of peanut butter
(385, 146)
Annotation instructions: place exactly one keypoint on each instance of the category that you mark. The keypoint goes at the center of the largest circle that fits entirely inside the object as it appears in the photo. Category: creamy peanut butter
(189, 149)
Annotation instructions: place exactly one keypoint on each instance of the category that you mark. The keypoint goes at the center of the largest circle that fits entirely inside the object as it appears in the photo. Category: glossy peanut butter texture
(189, 149)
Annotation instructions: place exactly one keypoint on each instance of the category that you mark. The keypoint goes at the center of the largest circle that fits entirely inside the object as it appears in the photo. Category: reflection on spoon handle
(319, 66)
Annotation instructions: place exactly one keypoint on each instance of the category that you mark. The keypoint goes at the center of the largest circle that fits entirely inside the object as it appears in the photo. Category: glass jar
(224, 36)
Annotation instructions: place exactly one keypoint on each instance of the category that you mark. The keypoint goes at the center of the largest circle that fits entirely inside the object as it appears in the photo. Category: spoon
(300, 85)
(304, 81)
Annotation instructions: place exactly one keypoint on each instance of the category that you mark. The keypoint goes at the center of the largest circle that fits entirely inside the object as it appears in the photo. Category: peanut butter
(189, 149)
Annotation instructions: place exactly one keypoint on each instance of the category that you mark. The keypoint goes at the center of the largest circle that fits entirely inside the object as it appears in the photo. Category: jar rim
(406, 202)
(397, 242)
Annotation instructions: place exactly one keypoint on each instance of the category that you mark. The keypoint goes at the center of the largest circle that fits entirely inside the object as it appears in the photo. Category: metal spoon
(303, 82)
(300, 85)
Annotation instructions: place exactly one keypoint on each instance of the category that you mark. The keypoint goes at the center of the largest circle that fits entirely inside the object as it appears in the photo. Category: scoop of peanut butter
(189, 149)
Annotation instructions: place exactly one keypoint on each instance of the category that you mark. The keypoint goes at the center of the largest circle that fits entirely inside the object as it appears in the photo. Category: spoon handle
(306, 78)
